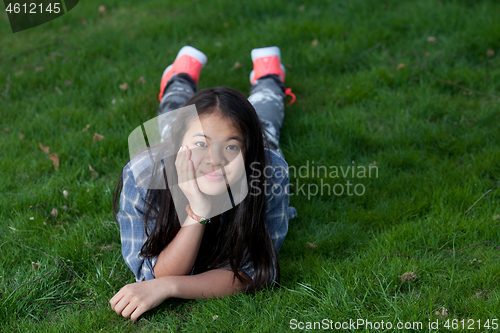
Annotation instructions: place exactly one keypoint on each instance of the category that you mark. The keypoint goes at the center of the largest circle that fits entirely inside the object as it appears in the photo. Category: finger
(128, 310)
(185, 176)
(122, 304)
(180, 165)
(190, 170)
(118, 296)
(190, 165)
(181, 153)
(192, 178)
(190, 181)
(137, 313)
(185, 160)
(178, 156)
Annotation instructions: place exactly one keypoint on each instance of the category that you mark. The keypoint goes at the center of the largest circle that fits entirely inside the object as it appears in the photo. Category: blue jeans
(267, 96)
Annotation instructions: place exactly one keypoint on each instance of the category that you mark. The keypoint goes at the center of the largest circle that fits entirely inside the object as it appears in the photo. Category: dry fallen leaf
(54, 212)
(21, 136)
(481, 294)
(59, 91)
(102, 9)
(237, 65)
(55, 160)
(86, 128)
(44, 148)
(35, 265)
(107, 247)
(141, 80)
(95, 174)
(314, 42)
(124, 86)
(408, 277)
(98, 137)
(311, 245)
(431, 39)
(443, 313)
(490, 53)
(215, 317)
(400, 67)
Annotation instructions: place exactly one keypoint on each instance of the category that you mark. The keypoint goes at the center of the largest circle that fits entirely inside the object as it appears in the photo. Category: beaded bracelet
(195, 217)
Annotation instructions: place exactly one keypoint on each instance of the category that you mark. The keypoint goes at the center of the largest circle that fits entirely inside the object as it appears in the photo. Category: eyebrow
(236, 138)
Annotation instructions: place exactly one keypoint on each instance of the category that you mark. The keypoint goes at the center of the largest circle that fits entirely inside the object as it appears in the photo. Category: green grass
(432, 128)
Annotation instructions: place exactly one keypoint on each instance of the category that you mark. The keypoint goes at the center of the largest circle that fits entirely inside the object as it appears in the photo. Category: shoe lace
(288, 92)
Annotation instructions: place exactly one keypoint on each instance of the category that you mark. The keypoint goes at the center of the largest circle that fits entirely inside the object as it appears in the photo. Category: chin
(212, 188)
(213, 191)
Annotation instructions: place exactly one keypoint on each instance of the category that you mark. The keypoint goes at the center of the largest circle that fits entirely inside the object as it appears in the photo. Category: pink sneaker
(266, 60)
(189, 60)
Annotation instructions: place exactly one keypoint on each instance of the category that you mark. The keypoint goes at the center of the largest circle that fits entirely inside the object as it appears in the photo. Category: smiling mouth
(213, 176)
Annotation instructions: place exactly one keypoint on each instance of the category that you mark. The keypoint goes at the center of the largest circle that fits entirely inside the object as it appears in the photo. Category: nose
(216, 156)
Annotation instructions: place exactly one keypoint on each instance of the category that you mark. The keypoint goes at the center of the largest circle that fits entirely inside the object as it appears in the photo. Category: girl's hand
(136, 298)
(200, 205)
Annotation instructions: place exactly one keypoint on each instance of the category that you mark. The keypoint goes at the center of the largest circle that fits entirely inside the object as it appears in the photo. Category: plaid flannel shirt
(131, 214)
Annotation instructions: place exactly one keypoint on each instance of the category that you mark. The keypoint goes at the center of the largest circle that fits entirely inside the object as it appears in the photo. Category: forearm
(136, 298)
(210, 284)
(179, 255)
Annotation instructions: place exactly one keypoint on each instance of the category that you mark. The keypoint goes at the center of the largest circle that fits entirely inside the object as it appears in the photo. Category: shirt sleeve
(131, 220)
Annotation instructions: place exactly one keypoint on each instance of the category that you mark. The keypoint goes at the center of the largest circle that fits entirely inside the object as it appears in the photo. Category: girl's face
(216, 151)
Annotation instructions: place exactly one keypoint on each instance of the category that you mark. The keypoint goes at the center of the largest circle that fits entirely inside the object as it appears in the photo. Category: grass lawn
(411, 88)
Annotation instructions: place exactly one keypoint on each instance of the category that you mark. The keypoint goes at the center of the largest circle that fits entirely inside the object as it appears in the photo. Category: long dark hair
(243, 238)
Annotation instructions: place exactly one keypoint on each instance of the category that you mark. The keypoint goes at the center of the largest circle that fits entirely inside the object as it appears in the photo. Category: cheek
(237, 168)
(197, 158)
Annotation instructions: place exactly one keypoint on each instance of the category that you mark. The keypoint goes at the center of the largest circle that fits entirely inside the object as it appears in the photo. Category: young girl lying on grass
(214, 229)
